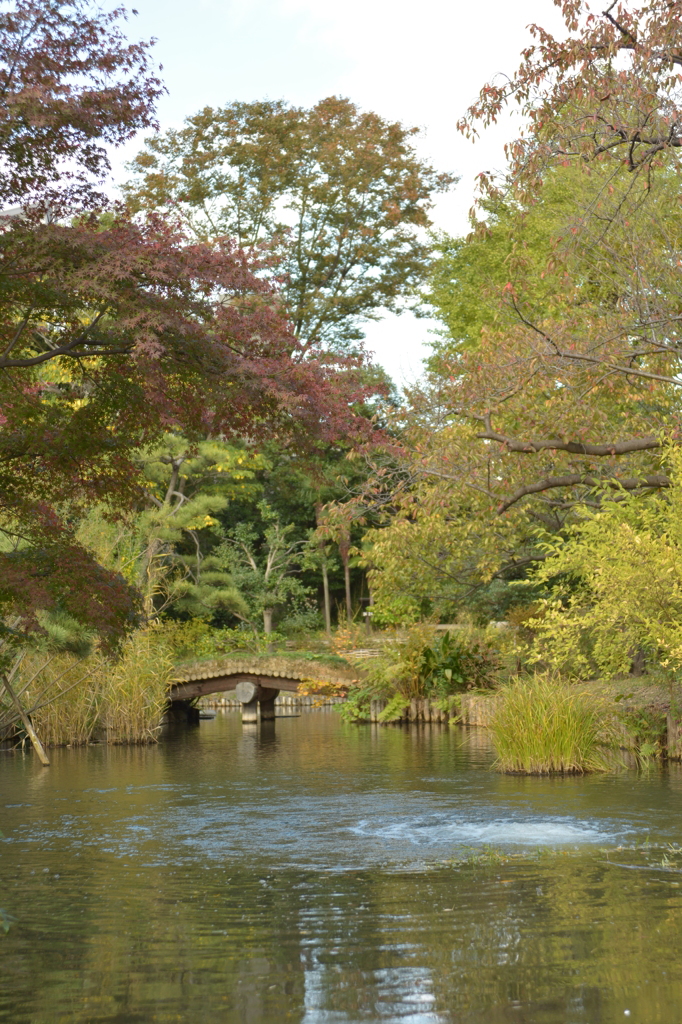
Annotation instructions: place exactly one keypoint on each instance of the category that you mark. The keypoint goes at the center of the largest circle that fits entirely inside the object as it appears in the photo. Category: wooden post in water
(28, 726)
(674, 739)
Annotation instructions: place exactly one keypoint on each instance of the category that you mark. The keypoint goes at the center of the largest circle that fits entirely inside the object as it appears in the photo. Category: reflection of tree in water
(560, 937)
(352, 968)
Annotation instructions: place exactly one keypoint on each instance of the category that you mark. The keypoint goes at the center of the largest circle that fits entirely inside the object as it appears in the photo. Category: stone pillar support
(267, 709)
(251, 695)
(250, 712)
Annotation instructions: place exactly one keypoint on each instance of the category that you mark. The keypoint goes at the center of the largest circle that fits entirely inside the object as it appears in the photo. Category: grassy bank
(541, 722)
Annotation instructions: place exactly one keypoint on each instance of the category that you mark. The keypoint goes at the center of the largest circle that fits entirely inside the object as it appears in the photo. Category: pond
(324, 873)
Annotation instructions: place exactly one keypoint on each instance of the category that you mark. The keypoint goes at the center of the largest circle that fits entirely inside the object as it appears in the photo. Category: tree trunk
(368, 613)
(344, 551)
(267, 620)
(638, 664)
(327, 604)
(146, 577)
(346, 577)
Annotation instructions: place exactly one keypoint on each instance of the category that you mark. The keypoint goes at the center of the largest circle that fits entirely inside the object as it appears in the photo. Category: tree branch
(628, 371)
(572, 479)
(532, 447)
(65, 350)
(629, 41)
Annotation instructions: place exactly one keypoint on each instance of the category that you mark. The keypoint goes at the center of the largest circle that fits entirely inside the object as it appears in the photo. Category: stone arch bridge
(256, 680)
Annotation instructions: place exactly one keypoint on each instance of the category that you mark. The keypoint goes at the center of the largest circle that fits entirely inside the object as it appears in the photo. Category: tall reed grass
(74, 701)
(135, 689)
(57, 692)
(544, 725)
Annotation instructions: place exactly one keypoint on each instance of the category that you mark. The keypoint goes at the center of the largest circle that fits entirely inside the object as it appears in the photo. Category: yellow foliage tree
(617, 584)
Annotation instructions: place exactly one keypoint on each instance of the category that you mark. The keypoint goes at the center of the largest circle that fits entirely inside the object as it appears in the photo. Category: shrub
(615, 582)
(450, 664)
(350, 636)
(355, 708)
(196, 639)
(397, 610)
(420, 665)
(543, 725)
(301, 620)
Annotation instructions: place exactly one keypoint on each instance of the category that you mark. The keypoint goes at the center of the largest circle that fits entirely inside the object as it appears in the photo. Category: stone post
(250, 695)
(267, 704)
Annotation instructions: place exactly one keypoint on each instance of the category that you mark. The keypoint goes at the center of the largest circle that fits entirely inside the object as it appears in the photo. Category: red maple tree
(114, 330)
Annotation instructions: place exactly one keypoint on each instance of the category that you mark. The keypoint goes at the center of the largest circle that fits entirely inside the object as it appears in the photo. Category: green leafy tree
(585, 382)
(557, 373)
(301, 490)
(264, 566)
(161, 551)
(337, 196)
(511, 244)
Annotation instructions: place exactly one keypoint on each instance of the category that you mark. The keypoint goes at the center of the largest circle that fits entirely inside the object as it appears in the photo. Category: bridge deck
(200, 678)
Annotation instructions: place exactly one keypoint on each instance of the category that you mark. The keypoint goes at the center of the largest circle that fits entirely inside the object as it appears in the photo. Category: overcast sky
(420, 63)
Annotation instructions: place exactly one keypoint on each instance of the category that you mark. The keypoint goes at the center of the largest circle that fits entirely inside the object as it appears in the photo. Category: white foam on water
(513, 832)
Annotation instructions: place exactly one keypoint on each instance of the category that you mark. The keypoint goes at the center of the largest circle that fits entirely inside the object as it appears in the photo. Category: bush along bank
(420, 676)
(543, 725)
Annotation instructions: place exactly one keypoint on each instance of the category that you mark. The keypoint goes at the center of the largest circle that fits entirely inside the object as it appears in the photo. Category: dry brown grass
(73, 701)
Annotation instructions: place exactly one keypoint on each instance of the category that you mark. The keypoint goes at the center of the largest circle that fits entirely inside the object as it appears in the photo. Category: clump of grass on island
(544, 725)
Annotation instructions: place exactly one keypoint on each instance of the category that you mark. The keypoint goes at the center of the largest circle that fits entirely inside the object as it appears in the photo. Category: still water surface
(322, 873)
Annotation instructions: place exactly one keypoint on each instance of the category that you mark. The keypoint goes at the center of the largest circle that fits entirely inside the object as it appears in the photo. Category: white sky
(420, 63)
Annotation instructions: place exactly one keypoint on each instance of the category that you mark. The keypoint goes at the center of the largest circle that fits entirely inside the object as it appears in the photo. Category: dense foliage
(555, 379)
(190, 431)
(114, 330)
